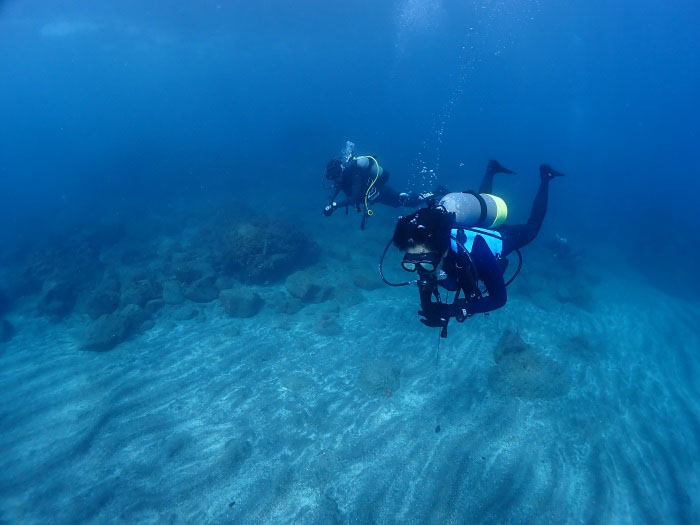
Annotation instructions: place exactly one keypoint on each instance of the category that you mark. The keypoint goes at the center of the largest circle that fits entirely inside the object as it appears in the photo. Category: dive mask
(428, 261)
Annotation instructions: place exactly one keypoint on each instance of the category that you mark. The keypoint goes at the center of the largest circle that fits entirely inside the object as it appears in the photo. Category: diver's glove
(439, 313)
(460, 310)
(436, 315)
(330, 209)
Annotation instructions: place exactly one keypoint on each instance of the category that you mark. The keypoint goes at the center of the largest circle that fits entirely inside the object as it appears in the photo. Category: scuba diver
(364, 181)
(461, 242)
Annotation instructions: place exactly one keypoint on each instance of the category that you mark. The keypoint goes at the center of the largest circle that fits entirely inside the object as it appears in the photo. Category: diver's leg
(389, 196)
(519, 235)
(492, 168)
(539, 205)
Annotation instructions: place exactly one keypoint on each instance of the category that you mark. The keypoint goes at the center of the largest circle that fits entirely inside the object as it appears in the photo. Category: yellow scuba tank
(472, 209)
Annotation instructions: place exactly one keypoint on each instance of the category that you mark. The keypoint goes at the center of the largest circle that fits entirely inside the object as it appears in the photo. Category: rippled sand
(590, 417)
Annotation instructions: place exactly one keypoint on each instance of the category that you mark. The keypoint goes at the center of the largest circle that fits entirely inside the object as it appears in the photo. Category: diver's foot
(496, 167)
(547, 173)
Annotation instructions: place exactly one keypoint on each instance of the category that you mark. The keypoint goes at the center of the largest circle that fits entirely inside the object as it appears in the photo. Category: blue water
(161, 197)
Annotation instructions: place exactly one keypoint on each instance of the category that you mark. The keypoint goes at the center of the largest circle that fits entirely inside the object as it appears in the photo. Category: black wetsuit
(356, 180)
(487, 267)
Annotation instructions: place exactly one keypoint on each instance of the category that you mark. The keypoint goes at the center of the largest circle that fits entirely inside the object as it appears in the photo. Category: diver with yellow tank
(462, 241)
(364, 182)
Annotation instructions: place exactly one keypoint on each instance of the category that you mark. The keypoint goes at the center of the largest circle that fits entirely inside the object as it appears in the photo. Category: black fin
(496, 167)
(548, 173)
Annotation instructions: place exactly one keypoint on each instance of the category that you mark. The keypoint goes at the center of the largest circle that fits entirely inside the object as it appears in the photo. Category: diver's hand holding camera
(329, 209)
(435, 314)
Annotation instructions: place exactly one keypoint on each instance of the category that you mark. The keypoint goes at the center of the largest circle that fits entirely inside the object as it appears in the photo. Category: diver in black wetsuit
(467, 256)
(364, 182)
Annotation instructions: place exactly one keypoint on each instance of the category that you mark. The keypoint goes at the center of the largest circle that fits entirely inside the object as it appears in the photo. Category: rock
(154, 305)
(106, 333)
(224, 282)
(240, 302)
(7, 330)
(185, 313)
(366, 282)
(203, 291)
(134, 314)
(188, 272)
(172, 293)
(509, 343)
(111, 329)
(58, 300)
(520, 372)
(286, 304)
(140, 291)
(102, 302)
(379, 376)
(103, 299)
(303, 286)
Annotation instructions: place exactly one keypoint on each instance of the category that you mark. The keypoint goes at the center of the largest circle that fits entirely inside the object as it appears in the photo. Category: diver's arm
(342, 203)
(331, 206)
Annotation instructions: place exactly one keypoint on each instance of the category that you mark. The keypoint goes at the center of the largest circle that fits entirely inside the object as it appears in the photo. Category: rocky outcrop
(172, 292)
(240, 302)
(185, 313)
(111, 329)
(57, 299)
(305, 287)
(264, 252)
(105, 299)
(520, 372)
(187, 272)
(286, 304)
(366, 281)
(203, 290)
(140, 291)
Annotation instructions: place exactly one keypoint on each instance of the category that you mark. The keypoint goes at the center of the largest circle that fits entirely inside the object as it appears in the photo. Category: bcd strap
(482, 204)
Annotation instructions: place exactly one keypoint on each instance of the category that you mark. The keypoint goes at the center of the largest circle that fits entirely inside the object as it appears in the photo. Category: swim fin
(496, 167)
(548, 173)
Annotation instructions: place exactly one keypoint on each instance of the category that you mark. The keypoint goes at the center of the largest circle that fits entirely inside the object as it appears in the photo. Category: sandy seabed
(557, 408)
